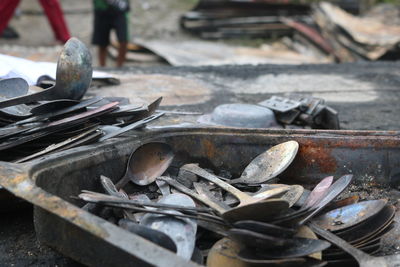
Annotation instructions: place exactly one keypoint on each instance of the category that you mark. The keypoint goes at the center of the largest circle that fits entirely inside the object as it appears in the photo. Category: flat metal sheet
(198, 53)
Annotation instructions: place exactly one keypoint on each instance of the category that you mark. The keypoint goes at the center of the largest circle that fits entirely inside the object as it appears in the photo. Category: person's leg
(101, 34)
(7, 9)
(121, 26)
(55, 15)
(121, 54)
(102, 55)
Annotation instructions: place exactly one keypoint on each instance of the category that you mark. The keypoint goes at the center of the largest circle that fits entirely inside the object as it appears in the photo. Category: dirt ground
(150, 19)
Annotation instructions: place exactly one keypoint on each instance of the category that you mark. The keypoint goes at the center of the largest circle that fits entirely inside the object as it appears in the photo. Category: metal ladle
(73, 77)
(147, 163)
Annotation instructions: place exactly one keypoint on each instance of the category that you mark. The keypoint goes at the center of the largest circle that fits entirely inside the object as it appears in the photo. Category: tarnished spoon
(348, 216)
(244, 198)
(146, 163)
(148, 233)
(320, 201)
(51, 106)
(73, 77)
(13, 87)
(295, 247)
(181, 230)
(260, 211)
(362, 258)
(269, 164)
(291, 196)
(265, 228)
(318, 192)
(305, 232)
(224, 253)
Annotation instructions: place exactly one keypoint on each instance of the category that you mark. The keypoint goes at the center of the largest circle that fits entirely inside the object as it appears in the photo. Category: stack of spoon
(273, 224)
(36, 124)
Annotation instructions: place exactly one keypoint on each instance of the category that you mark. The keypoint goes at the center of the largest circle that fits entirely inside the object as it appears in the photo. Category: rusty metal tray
(50, 182)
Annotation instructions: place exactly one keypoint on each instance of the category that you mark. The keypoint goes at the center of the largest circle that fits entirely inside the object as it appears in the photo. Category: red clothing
(53, 11)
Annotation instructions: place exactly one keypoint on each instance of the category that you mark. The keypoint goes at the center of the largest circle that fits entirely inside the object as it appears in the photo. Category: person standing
(108, 15)
(52, 9)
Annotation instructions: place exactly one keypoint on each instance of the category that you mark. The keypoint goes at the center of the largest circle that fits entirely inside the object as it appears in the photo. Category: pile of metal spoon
(206, 218)
(36, 121)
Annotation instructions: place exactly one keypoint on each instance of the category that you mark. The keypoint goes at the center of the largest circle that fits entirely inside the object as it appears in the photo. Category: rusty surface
(43, 182)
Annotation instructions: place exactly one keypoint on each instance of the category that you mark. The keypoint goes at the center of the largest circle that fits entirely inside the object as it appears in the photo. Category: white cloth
(13, 67)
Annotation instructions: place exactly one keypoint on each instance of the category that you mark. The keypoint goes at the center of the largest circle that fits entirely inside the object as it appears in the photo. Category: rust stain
(209, 148)
(309, 155)
(57, 206)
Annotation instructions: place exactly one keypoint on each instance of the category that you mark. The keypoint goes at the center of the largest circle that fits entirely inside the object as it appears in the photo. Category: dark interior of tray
(372, 162)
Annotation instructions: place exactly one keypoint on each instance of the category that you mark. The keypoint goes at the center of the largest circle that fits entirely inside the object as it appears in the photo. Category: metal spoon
(224, 253)
(15, 113)
(244, 198)
(321, 200)
(370, 227)
(51, 106)
(261, 211)
(135, 125)
(305, 232)
(348, 216)
(265, 228)
(148, 233)
(291, 196)
(362, 258)
(248, 256)
(318, 192)
(181, 230)
(73, 77)
(146, 163)
(13, 87)
(295, 247)
(257, 240)
(58, 113)
(269, 164)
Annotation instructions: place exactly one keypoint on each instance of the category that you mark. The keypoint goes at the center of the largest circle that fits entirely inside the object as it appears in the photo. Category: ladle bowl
(73, 76)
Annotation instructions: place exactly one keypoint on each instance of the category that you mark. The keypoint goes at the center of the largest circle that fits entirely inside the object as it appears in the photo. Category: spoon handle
(334, 191)
(42, 95)
(204, 191)
(123, 181)
(272, 192)
(359, 255)
(193, 194)
(243, 197)
(132, 126)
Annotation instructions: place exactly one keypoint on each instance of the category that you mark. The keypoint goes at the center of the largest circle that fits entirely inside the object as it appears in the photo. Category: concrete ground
(366, 95)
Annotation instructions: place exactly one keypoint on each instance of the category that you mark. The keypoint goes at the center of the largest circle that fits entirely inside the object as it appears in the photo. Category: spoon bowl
(269, 164)
(13, 87)
(147, 163)
(351, 215)
(148, 233)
